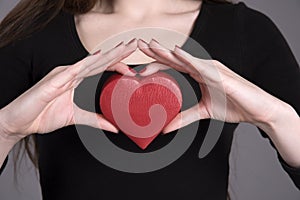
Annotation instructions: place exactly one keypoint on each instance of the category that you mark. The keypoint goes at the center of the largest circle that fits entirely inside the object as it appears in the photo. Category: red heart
(141, 106)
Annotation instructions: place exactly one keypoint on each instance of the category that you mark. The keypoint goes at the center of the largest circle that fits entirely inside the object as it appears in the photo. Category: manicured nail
(177, 47)
(155, 40)
(120, 44)
(97, 52)
(132, 70)
(164, 132)
(179, 50)
(143, 44)
(131, 41)
(143, 70)
(115, 131)
(143, 41)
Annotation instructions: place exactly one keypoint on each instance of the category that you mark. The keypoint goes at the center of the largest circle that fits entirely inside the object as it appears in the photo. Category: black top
(243, 39)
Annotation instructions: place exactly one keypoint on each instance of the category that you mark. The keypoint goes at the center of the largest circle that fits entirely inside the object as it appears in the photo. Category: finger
(192, 64)
(186, 117)
(153, 68)
(166, 55)
(122, 69)
(77, 82)
(212, 72)
(130, 47)
(61, 75)
(146, 49)
(95, 120)
(112, 57)
(104, 60)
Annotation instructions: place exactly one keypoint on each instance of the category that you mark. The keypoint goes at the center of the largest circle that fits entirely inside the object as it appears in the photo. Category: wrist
(6, 143)
(283, 130)
(282, 116)
(6, 136)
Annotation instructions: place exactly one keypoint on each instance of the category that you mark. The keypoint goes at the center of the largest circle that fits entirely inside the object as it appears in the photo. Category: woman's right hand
(49, 105)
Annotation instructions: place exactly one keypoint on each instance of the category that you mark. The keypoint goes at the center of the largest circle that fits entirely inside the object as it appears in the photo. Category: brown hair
(29, 16)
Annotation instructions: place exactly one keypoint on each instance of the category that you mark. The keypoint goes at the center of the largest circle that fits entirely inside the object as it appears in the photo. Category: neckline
(198, 26)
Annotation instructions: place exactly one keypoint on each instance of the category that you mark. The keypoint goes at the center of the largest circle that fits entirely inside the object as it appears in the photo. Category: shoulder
(257, 31)
(251, 18)
(238, 18)
(56, 25)
(237, 11)
(242, 36)
(45, 48)
(245, 23)
(59, 25)
(48, 24)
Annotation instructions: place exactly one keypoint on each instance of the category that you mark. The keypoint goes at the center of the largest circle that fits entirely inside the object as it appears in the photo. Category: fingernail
(132, 70)
(179, 50)
(97, 52)
(131, 41)
(165, 131)
(115, 131)
(143, 44)
(143, 70)
(177, 47)
(143, 41)
(121, 43)
(155, 40)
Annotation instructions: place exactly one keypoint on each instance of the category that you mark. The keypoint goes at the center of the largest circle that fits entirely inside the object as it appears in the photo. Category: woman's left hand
(226, 96)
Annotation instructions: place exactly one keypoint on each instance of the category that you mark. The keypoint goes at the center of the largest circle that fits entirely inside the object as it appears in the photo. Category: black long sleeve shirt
(243, 39)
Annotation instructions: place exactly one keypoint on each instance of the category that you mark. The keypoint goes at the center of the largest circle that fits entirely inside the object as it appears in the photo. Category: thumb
(186, 117)
(122, 69)
(95, 120)
(152, 68)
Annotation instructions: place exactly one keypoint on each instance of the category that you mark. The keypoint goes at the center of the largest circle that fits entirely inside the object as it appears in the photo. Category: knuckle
(73, 71)
(216, 63)
(56, 70)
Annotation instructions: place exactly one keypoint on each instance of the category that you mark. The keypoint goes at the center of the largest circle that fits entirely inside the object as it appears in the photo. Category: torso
(237, 36)
(69, 171)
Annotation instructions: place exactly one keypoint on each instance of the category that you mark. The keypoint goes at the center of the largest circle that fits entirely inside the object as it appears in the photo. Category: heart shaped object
(141, 106)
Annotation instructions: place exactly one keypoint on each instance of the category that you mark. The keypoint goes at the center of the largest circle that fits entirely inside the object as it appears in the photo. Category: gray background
(255, 171)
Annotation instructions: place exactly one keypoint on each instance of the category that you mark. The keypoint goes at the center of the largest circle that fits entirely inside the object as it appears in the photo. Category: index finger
(107, 59)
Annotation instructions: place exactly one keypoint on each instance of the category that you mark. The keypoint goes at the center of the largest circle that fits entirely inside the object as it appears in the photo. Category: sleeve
(275, 68)
(15, 73)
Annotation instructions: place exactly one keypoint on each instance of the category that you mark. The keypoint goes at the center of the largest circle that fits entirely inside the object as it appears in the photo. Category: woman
(244, 40)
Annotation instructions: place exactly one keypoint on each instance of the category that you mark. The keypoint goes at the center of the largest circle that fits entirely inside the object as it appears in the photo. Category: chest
(105, 31)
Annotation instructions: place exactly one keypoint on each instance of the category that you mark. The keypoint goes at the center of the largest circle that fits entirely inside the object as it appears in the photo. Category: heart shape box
(141, 106)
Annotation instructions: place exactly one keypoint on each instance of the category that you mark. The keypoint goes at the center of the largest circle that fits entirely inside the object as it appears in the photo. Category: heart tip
(142, 143)
(143, 147)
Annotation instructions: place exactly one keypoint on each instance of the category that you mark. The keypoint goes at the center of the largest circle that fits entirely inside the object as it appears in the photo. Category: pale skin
(245, 101)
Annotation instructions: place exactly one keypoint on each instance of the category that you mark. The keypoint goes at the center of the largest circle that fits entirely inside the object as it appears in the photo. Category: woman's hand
(49, 105)
(226, 96)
